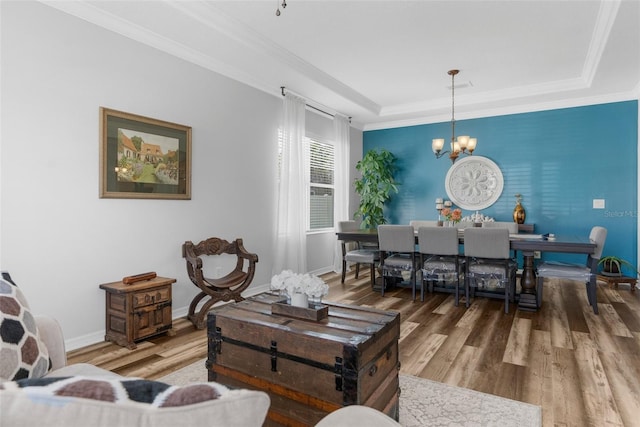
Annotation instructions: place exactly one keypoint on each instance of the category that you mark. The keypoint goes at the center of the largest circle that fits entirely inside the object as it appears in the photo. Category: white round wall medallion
(474, 183)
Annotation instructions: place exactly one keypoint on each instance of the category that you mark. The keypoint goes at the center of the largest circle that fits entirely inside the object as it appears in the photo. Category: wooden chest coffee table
(308, 368)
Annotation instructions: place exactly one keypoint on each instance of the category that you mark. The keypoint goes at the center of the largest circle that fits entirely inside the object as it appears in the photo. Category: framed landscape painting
(143, 158)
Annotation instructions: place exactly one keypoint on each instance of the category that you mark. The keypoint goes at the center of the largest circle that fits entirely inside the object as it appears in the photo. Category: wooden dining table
(527, 244)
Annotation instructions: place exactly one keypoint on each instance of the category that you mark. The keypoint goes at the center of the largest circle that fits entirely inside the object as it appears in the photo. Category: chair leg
(592, 294)
(539, 291)
(373, 275)
(344, 270)
(466, 283)
(357, 270)
(457, 302)
(506, 297)
(414, 275)
(414, 283)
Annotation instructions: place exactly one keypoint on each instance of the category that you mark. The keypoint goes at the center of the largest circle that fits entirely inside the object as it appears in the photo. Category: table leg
(528, 300)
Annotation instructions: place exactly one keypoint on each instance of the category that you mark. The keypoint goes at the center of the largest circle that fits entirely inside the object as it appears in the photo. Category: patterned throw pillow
(125, 391)
(22, 352)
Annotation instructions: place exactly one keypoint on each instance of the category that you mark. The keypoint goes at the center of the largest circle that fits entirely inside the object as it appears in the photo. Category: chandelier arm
(458, 146)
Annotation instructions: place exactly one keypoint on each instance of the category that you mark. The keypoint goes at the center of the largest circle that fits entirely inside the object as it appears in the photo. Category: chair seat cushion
(564, 271)
(367, 256)
(399, 261)
(492, 269)
(439, 264)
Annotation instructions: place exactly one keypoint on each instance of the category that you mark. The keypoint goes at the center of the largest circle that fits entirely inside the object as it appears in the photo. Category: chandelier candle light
(460, 145)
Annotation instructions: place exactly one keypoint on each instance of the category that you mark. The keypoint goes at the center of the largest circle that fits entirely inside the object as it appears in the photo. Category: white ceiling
(385, 63)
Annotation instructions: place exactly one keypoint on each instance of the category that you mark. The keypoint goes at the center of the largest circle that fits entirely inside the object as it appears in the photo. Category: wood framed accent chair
(226, 288)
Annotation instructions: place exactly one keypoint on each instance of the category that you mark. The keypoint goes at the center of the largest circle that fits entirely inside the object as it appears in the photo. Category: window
(321, 183)
(319, 159)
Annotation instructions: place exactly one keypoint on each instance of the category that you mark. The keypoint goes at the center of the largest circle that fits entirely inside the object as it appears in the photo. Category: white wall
(59, 240)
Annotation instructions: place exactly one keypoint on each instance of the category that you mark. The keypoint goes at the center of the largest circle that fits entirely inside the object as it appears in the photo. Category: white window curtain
(341, 182)
(290, 252)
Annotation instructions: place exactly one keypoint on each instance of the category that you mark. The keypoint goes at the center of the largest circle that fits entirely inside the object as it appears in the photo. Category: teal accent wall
(559, 160)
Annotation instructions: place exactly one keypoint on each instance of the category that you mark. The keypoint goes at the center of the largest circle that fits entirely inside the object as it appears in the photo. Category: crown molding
(207, 14)
(229, 28)
(97, 16)
(601, 30)
(504, 111)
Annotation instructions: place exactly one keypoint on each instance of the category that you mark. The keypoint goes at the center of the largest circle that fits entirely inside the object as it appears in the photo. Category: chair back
(348, 245)
(396, 238)
(438, 240)
(486, 242)
(416, 224)
(598, 236)
(511, 226)
(348, 226)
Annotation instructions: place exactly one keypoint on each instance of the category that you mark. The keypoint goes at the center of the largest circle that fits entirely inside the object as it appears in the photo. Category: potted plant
(375, 186)
(612, 266)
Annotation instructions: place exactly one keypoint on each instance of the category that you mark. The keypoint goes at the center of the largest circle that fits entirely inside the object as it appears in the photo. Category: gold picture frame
(143, 158)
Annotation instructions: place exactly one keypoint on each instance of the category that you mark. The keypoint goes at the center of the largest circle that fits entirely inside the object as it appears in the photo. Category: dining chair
(355, 252)
(439, 249)
(397, 254)
(586, 273)
(489, 269)
(511, 226)
(416, 224)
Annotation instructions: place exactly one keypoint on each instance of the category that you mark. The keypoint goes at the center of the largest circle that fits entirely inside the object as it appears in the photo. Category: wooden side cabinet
(137, 311)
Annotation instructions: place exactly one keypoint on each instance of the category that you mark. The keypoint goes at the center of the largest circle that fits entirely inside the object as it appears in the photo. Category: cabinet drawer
(153, 296)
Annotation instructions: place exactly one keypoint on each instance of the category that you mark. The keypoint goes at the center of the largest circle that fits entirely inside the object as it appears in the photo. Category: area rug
(427, 403)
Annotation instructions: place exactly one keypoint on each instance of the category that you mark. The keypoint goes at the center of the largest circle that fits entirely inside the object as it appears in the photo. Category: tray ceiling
(384, 63)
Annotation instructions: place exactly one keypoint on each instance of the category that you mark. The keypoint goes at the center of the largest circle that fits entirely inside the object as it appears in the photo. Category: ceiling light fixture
(462, 144)
(284, 5)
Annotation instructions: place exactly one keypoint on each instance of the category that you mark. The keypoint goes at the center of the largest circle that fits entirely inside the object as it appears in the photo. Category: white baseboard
(177, 313)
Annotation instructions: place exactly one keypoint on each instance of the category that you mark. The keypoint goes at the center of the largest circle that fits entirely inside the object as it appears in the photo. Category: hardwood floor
(582, 369)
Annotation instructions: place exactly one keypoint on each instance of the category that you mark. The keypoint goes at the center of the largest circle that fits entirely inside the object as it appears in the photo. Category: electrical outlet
(536, 254)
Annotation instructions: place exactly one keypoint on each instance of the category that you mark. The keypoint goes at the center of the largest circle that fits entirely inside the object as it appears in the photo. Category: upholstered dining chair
(585, 273)
(417, 223)
(511, 226)
(397, 254)
(353, 252)
(489, 268)
(439, 259)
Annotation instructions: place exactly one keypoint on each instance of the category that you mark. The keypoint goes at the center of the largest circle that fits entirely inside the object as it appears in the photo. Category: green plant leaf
(375, 186)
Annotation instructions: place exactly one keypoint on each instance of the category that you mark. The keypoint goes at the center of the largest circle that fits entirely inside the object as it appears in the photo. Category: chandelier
(461, 145)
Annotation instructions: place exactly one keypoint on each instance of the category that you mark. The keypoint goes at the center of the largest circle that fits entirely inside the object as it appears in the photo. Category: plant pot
(300, 300)
(611, 268)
